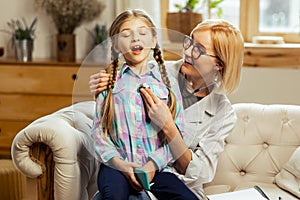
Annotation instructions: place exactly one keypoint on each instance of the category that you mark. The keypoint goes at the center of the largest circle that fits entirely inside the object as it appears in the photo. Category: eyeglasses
(197, 49)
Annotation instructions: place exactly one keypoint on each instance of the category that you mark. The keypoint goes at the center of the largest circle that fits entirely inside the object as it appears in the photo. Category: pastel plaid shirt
(136, 140)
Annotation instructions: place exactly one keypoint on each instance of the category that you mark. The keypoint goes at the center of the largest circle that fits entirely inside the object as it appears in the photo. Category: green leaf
(24, 22)
(220, 12)
(191, 3)
(33, 24)
(178, 6)
(214, 4)
(19, 25)
(98, 33)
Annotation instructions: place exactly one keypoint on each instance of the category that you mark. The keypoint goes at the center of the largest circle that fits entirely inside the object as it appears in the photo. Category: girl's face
(135, 41)
(200, 62)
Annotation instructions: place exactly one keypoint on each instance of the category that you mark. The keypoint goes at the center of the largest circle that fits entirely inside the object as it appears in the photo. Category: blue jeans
(112, 184)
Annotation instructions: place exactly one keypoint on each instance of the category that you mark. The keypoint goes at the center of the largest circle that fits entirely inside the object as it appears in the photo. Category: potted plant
(187, 18)
(67, 15)
(98, 33)
(22, 38)
(100, 48)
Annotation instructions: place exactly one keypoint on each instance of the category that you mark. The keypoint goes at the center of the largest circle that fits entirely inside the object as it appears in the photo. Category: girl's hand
(150, 167)
(98, 82)
(127, 169)
(158, 111)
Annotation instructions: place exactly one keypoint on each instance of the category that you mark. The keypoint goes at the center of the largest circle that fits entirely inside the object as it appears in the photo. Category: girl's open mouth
(136, 49)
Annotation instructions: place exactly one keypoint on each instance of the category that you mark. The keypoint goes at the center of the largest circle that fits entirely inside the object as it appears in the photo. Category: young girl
(124, 138)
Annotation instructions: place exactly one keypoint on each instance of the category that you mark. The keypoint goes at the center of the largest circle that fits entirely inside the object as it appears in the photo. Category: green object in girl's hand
(142, 177)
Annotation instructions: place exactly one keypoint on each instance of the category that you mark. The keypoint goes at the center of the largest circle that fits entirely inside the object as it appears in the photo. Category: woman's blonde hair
(113, 68)
(228, 46)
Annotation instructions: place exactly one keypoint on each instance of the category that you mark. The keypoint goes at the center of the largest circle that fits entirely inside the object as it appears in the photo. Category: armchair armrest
(58, 151)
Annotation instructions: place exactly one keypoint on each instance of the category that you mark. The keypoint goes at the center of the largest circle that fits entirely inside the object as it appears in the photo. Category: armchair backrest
(262, 141)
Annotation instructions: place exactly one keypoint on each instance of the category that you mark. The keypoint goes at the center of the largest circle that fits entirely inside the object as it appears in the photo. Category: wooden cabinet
(34, 89)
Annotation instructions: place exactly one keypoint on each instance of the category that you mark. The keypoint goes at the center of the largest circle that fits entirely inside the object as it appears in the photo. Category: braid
(172, 99)
(164, 75)
(108, 112)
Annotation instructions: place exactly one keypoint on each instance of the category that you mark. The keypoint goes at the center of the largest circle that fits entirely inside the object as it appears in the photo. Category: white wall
(152, 7)
(45, 42)
(268, 86)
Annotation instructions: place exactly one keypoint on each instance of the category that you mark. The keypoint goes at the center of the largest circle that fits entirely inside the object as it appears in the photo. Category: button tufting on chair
(285, 120)
(265, 145)
(246, 118)
(242, 173)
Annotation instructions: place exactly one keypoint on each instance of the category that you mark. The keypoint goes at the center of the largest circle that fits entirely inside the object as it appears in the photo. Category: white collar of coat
(206, 106)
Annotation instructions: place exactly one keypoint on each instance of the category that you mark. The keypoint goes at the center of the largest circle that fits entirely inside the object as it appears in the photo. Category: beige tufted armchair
(56, 150)
(258, 148)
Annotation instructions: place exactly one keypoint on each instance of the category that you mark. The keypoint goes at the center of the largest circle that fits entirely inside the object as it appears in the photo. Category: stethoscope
(187, 93)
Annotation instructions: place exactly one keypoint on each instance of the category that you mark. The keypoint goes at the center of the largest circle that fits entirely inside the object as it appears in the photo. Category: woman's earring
(218, 73)
(217, 76)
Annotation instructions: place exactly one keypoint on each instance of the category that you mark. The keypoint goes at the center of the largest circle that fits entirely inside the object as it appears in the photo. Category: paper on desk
(246, 194)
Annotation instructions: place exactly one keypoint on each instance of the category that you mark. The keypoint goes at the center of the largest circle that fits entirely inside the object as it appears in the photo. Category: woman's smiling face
(204, 66)
(135, 41)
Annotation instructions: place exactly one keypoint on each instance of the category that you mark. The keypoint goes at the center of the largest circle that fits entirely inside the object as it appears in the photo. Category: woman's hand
(98, 82)
(158, 111)
(127, 169)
